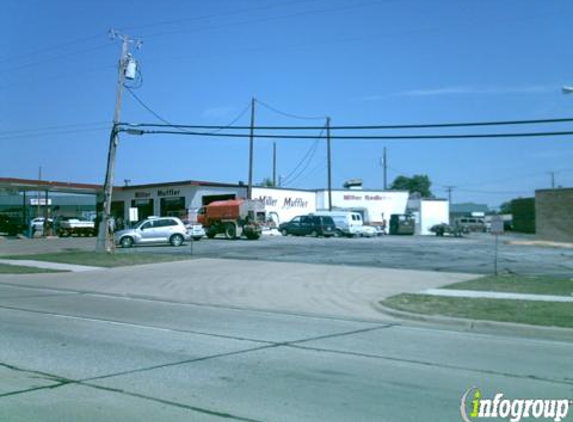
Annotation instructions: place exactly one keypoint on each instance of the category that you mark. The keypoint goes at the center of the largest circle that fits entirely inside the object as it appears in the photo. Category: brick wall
(554, 214)
(523, 213)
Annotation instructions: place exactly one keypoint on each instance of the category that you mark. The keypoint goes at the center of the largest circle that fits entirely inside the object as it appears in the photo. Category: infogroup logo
(513, 409)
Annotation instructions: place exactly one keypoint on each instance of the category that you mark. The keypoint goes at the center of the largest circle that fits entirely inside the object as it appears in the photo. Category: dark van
(313, 225)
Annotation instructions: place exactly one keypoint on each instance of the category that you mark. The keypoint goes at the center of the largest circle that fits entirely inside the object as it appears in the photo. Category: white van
(347, 223)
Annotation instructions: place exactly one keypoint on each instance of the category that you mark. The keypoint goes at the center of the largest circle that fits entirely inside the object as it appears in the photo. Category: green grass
(555, 314)
(19, 269)
(102, 259)
(518, 284)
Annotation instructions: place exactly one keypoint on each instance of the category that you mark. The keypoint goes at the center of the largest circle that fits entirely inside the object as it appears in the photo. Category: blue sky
(359, 62)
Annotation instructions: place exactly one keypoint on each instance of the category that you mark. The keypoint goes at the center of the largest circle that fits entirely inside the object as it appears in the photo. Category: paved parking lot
(471, 254)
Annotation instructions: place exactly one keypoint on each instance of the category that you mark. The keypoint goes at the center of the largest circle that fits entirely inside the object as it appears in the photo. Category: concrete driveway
(277, 286)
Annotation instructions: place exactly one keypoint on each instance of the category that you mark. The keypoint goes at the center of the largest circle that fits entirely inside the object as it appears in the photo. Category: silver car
(154, 230)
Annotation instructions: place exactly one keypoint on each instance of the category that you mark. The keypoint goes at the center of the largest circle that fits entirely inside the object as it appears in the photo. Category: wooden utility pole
(385, 164)
(329, 161)
(449, 189)
(552, 174)
(274, 164)
(105, 236)
(251, 138)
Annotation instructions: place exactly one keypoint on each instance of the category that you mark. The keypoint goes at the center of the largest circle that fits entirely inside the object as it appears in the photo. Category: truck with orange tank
(233, 218)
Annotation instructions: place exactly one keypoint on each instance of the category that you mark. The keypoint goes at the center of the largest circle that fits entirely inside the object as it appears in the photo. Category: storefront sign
(142, 194)
(168, 192)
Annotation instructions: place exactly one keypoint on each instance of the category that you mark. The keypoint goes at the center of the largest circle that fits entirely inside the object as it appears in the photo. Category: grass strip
(519, 311)
(518, 284)
(93, 259)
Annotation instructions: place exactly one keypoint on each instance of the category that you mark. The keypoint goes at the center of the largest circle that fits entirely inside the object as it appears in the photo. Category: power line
(310, 155)
(292, 116)
(361, 137)
(218, 15)
(56, 58)
(169, 124)
(51, 48)
(61, 132)
(50, 128)
(373, 127)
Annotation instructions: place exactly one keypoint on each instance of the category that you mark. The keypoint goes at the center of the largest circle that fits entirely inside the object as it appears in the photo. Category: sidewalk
(48, 265)
(496, 295)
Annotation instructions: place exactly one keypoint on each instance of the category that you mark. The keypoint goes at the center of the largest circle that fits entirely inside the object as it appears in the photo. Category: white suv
(154, 230)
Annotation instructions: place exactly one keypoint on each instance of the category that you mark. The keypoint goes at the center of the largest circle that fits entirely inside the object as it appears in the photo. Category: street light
(567, 89)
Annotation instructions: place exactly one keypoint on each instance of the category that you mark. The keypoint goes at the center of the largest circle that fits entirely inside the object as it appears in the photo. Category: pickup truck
(74, 226)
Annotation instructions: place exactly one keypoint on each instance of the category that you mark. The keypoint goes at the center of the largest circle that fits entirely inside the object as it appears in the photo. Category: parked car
(11, 225)
(195, 231)
(348, 223)
(37, 224)
(314, 225)
(444, 229)
(403, 224)
(472, 224)
(369, 231)
(154, 230)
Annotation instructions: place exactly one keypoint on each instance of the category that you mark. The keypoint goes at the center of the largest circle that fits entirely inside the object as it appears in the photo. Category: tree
(267, 183)
(418, 183)
(505, 208)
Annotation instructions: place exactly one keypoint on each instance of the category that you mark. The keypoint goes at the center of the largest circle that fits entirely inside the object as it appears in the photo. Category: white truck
(348, 223)
(74, 226)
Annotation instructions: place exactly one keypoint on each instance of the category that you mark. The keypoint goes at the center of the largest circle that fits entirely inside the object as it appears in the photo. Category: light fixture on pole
(567, 89)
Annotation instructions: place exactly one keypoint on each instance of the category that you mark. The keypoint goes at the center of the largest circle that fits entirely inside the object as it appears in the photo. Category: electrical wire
(179, 128)
(309, 155)
(364, 137)
(374, 127)
(292, 116)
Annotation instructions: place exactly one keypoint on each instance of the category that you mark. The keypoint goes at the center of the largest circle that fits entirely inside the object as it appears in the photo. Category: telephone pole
(251, 138)
(329, 161)
(449, 189)
(105, 236)
(552, 174)
(385, 166)
(274, 164)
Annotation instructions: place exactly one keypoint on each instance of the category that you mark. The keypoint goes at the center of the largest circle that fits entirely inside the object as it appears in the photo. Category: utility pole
(38, 193)
(105, 239)
(251, 138)
(552, 174)
(274, 164)
(385, 165)
(449, 189)
(329, 161)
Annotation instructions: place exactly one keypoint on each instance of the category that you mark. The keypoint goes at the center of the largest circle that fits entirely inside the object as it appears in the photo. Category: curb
(481, 326)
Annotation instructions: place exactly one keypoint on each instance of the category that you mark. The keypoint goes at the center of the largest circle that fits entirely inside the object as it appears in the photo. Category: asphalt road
(77, 356)
(471, 254)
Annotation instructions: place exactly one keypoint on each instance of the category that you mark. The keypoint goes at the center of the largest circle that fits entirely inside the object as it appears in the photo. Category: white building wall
(375, 205)
(428, 213)
(193, 195)
(284, 204)
(432, 213)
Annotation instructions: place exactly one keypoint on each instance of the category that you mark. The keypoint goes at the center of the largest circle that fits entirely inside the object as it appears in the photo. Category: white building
(283, 205)
(174, 198)
(428, 213)
(374, 205)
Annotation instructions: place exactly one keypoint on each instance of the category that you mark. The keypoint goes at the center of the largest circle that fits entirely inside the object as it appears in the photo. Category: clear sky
(359, 62)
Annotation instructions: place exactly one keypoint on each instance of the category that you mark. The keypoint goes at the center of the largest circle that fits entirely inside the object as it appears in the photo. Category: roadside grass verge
(93, 259)
(518, 284)
(20, 269)
(556, 314)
